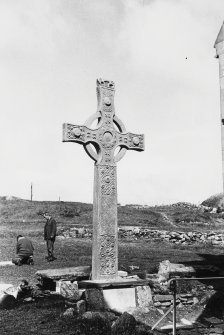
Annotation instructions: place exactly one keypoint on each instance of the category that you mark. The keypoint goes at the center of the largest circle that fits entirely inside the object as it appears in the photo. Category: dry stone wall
(176, 237)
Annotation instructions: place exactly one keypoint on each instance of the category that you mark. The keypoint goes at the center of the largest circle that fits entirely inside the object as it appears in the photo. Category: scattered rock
(95, 323)
(94, 299)
(143, 330)
(143, 296)
(124, 325)
(216, 330)
(7, 301)
(69, 313)
(133, 267)
(122, 273)
(164, 270)
(29, 299)
(68, 290)
(5, 288)
(80, 307)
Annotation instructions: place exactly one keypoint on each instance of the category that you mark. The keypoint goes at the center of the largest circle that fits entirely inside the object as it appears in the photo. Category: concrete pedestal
(120, 299)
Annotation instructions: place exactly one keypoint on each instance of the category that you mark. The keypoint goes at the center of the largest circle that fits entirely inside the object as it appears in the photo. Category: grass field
(75, 252)
(21, 217)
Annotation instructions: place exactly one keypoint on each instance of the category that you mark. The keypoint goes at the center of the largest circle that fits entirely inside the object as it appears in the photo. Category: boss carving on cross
(110, 132)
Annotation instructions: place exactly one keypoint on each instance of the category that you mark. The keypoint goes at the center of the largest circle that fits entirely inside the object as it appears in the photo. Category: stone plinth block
(94, 299)
(121, 282)
(72, 273)
(68, 290)
(94, 323)
(124, 325)
(120, 299)
(143, 296)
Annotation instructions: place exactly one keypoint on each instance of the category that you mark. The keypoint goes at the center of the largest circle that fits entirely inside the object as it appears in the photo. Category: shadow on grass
(211, 265)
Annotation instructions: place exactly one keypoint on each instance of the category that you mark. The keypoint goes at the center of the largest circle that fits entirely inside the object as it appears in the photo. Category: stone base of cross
(100, 144)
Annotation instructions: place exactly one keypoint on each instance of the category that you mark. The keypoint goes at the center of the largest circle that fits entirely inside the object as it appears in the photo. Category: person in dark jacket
(50, 230)
(24, 251)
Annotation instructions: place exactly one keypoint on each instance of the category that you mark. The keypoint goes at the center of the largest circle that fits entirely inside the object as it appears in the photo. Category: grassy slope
(173, 217)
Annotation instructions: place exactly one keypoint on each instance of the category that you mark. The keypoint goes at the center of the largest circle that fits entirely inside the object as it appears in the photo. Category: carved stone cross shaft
(109, 134)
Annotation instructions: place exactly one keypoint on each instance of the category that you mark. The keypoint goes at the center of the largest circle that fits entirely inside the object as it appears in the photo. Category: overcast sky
(160, 55)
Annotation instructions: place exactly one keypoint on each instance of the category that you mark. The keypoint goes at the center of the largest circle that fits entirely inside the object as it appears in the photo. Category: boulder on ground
(68, 290)
(80, 307)
(168, 270)
(143, 330)
(69, 313)
(94, 299)
(143, 296)
(5, 287)
(164, 270)
(7, 301)
(124, 325)
(95, 323)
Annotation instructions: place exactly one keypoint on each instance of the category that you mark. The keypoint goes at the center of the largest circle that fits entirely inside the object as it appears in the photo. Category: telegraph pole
(31, 193)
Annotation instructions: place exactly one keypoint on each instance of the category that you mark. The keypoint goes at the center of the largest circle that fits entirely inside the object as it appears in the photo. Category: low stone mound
(214, 201)
(9, 198)
(187, 205)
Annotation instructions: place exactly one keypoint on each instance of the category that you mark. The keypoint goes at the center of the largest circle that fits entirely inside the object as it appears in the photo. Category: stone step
(112, 283)
(72, 273)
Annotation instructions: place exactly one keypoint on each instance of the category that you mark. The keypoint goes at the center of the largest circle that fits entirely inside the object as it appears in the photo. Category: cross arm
(78, 134)
(131, 141)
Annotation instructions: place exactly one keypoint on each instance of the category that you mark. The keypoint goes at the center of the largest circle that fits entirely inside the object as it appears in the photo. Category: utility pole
(219, 45)
(31, 193)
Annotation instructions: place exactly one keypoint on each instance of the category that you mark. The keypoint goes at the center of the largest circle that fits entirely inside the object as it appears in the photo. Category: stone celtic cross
(109, 135)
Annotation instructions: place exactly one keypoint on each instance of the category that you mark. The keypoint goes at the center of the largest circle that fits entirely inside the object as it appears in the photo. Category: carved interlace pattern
(108, 180)
(70, 132)
(108, 120)
(91, 135)
(107, 156)
(128, 141)
(107, 109)
(107, 255)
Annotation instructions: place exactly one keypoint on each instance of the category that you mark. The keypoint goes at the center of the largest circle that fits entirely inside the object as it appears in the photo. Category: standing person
(24, 251)
(50, 235)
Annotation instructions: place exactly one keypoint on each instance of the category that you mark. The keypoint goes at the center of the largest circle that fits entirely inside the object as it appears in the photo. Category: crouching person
(24, 251)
